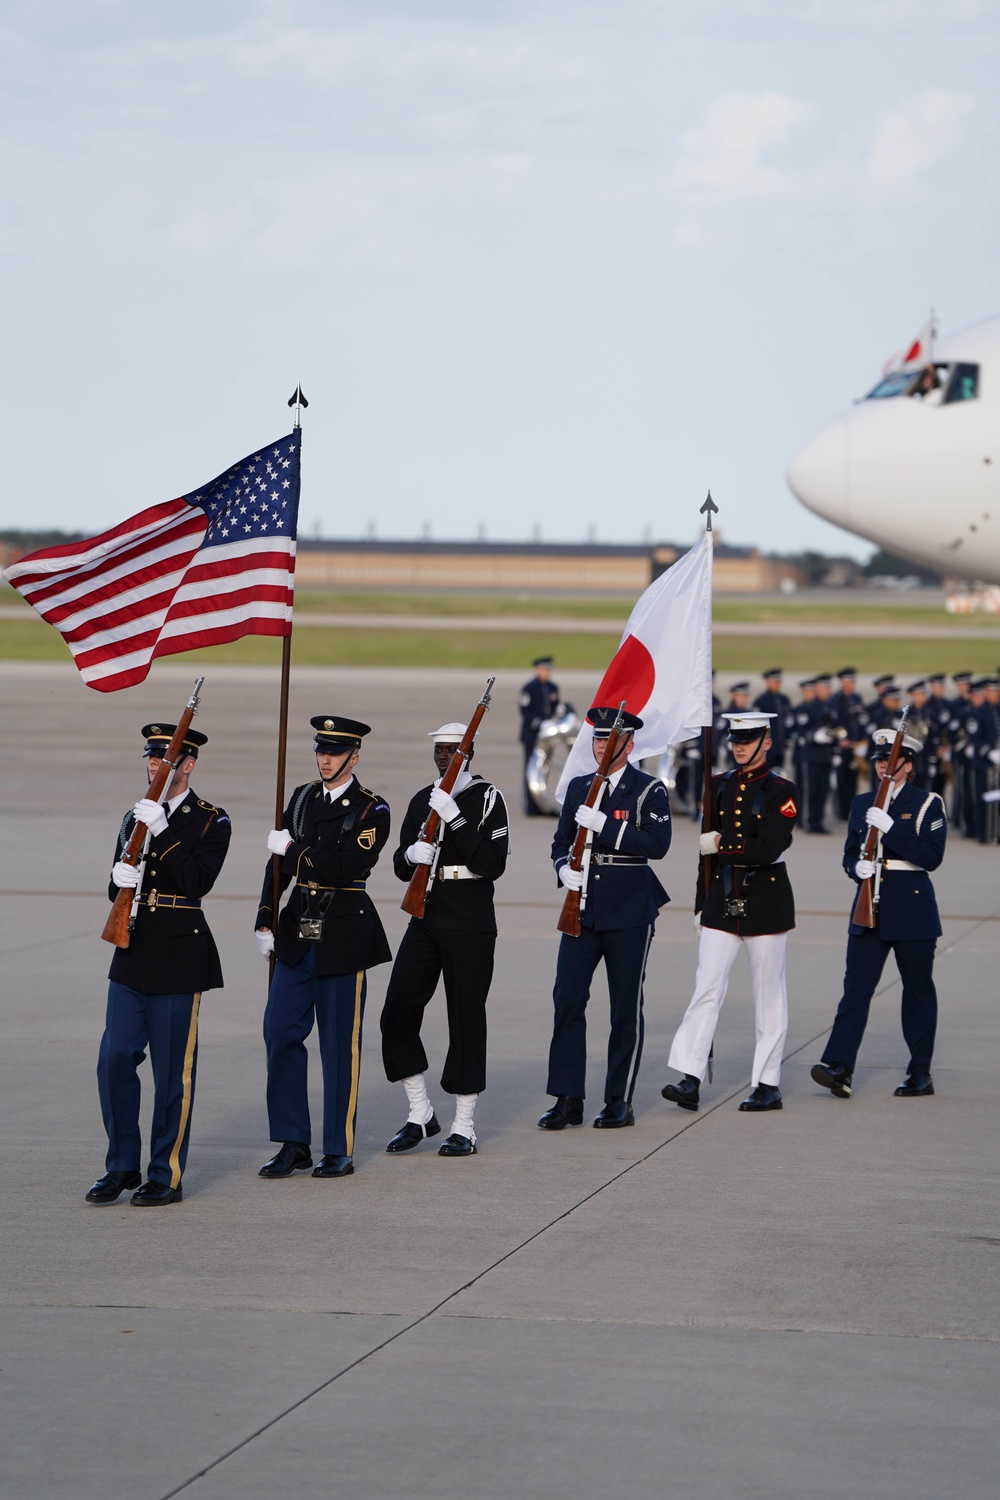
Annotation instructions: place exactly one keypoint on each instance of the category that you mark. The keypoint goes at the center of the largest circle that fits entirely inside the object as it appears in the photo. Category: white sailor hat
(748, 726)
(882, 742)
(448, 733)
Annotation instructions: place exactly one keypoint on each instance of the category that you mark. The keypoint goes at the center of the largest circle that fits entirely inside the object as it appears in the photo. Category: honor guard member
(912, 830)
(849, 712)
(620, 900)
(157, 982)
(981, 755)
(878, 683)
(739, 698)
(749, 901)
(797, 728)
(329, 935)
(455, 940)
(820, 737)
(539, 700)
(778, 704)
(956, 732)
(939, 721)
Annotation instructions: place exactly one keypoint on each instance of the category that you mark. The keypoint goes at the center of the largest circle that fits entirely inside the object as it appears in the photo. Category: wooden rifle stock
(118, 927)
(864, 910)
(569, 917)
(414, 903)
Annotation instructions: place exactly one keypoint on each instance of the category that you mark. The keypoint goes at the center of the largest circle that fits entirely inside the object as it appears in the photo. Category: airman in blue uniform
(778, 704)
(621, 897)
(912, 831)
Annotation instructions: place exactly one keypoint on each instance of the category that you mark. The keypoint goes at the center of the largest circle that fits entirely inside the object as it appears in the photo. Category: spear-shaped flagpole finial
(297, 400)
(707, 510)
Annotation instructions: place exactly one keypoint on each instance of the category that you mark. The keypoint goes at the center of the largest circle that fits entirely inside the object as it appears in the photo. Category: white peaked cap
(884, 739)
(447, 732)
(750, 721)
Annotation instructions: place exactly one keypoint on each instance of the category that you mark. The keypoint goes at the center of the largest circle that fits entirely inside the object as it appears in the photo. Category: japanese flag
(663, 667)
(919, 353)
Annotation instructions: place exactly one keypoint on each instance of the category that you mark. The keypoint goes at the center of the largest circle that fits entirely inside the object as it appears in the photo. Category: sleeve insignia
(366, 838)
(788, 809)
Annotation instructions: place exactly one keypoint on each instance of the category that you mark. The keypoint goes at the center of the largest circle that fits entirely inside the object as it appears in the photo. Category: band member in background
(778, 704)
(821, 736)
(849, 712)
(739, 698)
(629, 826)
(748, 903)
(912, 832)
(539, 700)
(157, 982)
(798, 726)
(329, 935)
(454, 940)
(939, 721)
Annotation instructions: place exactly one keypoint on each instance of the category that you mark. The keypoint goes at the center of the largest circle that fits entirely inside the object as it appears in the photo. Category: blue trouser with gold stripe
(299, 999)
(168, 1026)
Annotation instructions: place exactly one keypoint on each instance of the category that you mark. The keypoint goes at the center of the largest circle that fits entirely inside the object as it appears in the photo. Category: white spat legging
(716, 955)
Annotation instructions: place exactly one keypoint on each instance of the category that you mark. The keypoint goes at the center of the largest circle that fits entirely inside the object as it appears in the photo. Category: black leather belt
(153, 899)
(619, 859)
(310, 885)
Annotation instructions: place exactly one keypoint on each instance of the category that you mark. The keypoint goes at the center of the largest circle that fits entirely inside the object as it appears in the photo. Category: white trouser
(716, 955)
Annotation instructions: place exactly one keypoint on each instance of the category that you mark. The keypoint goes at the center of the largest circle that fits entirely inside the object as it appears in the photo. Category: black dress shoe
(293, 1157)
(833, 1076)
(412, 1134)
(615, 1114)
(334, 1166)
(153, 1194)
(457, 1145)
(111, 1186)
(565, 1111)
(917, 1086)
(764, 1096)
(684, 1092)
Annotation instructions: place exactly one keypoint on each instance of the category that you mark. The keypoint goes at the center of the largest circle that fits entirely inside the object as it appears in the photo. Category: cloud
(913, 136)
(724, 157)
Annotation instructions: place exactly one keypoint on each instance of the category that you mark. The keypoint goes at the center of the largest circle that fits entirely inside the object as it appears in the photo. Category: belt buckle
(151, 900)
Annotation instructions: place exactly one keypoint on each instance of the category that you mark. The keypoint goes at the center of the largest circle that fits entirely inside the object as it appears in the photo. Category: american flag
(210, 567)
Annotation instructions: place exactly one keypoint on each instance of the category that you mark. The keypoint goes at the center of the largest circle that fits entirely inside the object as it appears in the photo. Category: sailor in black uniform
(329, 935)
(454, 940)
(912, 832)
(157, 982)
(620, 899)
(749, 903)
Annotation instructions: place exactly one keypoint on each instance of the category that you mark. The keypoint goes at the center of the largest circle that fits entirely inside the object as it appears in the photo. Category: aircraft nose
(817, 474)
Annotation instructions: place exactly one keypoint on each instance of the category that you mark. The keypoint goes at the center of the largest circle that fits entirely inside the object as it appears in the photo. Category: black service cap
(338, 734)
(158, 737)
(603, 720)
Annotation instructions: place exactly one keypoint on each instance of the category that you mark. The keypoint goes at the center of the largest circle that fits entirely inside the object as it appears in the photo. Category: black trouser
(818, 777)
(866, 958)
(847, 785)
(530, 810)
(465, 961)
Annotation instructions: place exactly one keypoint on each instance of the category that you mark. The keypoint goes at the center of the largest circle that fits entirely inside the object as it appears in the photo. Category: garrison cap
(158, 737)
(333, 735)
(602, 720)
(746, 727)
(543, 661)
(848, 672)
(882, 743)
(448, 734)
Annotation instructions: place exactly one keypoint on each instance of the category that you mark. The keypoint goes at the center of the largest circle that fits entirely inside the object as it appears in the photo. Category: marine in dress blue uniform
(538, 700)
(912, 832)
(778, 704)
(629, 826)
(157, 982)
(329, 934)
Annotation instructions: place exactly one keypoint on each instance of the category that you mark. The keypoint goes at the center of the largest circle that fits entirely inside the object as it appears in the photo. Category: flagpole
(297, 401)
(708, 863)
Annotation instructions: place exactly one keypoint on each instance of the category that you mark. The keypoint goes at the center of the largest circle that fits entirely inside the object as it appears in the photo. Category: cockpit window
(963, 385)
(895, 384)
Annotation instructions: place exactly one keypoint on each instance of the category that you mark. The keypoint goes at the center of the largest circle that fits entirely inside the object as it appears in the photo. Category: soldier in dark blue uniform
(979, 753)
(912, 832)
(156, 983)
(797, 725)
(629, 826)
(956, 730)
(820, 736)
(329, 935)
(778, 704)
(875, 704)
(454, 940)
(749, 904)
(939, 717)
(849, 712)
(539, 700)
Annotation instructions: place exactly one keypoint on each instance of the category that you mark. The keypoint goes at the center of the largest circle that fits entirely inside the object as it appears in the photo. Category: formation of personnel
(327, 935)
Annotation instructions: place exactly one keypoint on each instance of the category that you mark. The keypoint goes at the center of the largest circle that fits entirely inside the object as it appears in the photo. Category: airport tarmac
(789, 1305)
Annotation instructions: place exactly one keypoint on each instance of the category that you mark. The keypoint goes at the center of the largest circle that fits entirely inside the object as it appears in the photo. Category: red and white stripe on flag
(663, 666)
(193, 572)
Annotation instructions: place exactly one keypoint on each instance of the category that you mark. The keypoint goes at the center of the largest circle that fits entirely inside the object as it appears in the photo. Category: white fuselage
(919, 475)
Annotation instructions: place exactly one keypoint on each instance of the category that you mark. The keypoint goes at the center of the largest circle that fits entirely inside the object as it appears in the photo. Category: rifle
(569, 917)
(121, 918)
(415, 900)
(864, 910)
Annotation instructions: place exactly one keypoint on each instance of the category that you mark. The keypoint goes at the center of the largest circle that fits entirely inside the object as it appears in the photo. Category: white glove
(708, 843)
(995, 757)
(444, 804)
(589, 817)
(125, 877)
(864, 869)
(265, 942)
(150, 813)
(822, 737)
(970, 751)
(877, 817)
(571, 879)
(420, 853)
(278, 840)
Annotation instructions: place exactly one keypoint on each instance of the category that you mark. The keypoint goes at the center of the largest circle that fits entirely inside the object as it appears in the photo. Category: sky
(544, 268)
